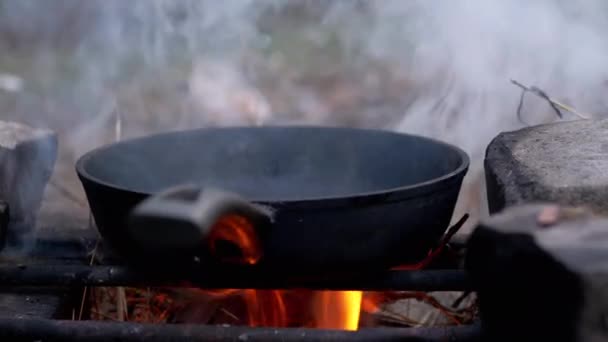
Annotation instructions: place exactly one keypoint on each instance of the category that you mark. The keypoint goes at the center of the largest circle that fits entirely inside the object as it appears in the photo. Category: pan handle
(185, 218)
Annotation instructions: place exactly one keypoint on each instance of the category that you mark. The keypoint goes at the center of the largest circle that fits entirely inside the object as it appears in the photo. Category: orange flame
(330, 310)
(238, 231)
(338, 310)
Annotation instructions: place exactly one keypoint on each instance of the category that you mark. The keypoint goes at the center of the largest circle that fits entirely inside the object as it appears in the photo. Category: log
(27, 158)
(541, 274)
(562, 163)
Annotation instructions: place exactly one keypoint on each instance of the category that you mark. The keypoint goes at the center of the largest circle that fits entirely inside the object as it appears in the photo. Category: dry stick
(433, 253)
(229, 314)
(556, 105)
(460, 299)
(426, 319)
(537, 92)
(453, 315)
(120, 303)
(93, 254)
(117, 137)
(121, 297)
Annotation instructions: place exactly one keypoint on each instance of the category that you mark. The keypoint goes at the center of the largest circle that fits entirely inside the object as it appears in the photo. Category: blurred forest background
(96, 71)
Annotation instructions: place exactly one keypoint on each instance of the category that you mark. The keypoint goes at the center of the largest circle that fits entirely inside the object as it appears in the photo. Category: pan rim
(396, 193)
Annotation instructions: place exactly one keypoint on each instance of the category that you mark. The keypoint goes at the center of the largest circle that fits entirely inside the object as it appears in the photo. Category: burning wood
(141, 305)
(277, 308)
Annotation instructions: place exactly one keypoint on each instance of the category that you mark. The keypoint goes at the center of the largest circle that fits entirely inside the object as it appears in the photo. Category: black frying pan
(337, 197)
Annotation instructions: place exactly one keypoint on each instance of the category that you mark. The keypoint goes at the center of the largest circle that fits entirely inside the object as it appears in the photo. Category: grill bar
(62, 330)
(83, 275)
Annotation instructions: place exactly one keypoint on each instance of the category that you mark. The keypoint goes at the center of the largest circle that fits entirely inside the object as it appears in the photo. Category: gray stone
(27, 158)
(541, 274)
(564, 163)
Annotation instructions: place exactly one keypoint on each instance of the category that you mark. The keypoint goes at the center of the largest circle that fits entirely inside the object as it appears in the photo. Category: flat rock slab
(563, 163)
(27, 158)
(541, 274)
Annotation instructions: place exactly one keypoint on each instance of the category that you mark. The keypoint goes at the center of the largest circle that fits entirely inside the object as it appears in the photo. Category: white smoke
(470, 49)
(438, 68)
(465, 52)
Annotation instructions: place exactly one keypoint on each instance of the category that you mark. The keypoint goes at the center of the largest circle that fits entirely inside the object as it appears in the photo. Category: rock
(27, 158)
(563, 163)
(541, 274)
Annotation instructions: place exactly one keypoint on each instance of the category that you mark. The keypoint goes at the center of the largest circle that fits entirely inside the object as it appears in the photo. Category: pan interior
(274, 163)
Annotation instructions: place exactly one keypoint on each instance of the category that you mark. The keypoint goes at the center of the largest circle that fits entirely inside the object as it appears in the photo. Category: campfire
(344, 259)
(255, 308)
(343, 310)
(291, 308)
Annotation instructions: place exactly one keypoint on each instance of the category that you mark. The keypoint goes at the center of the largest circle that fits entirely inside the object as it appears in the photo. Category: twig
(230, 314)
(556, 105)
(93, 254)
(537, 91)
(121, 304)
(520, 107)
(426, 319)
(121, 299)
(432, 255)
(454, 315)
(460, 299)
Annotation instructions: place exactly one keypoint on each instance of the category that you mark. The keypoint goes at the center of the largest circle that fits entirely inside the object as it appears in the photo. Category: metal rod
(84, 275)
(57, 330)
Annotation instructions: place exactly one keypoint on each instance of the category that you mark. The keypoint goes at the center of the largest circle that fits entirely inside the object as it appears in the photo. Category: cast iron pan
(311, 197)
